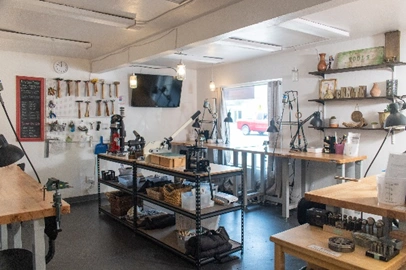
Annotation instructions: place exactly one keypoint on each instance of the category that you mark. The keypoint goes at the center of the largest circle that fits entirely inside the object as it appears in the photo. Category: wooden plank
(360, 196)
(296, 242)
(21, 197)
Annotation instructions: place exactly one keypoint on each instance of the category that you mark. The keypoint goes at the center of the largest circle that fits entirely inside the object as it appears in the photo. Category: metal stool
(16, 258)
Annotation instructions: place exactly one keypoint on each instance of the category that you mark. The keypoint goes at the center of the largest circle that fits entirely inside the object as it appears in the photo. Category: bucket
(391, 190)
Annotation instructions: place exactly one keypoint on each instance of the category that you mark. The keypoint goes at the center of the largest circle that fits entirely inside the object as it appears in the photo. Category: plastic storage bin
(126, 180)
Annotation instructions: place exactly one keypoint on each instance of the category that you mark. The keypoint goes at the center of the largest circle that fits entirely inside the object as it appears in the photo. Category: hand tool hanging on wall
(77, 90)
(94, 82)
(87, 108)
(58, 87)
(102, 88)
(112, 106)
(106, 105)
(79, 112)
(110, 94)
(116, 88)
(98, 107)
(68, 87)
(87, 90)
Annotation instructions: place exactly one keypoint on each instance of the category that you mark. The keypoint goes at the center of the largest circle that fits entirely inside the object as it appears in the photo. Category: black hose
(51, 250)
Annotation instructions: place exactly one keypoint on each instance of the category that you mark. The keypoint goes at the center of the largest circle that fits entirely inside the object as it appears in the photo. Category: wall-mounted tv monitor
(156, 91)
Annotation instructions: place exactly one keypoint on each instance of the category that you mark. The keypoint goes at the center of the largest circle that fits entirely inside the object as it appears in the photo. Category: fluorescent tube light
(51, 8)
(4, 33)
(250, 44)
(314, 28)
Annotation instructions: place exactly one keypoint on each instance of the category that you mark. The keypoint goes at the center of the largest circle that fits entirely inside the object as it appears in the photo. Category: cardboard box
(170, 160)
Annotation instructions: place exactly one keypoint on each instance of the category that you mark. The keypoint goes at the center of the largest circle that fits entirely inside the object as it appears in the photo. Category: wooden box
(170, 160)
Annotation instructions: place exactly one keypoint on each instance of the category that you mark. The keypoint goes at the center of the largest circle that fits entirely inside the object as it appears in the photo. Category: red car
(259, 125)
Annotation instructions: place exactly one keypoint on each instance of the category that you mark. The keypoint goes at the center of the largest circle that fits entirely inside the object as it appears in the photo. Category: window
(248, 106)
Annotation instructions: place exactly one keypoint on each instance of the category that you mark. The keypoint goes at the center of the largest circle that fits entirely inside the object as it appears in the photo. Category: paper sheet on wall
(396, 166)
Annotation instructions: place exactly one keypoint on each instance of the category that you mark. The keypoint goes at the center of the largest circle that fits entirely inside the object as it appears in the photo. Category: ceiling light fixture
(77, 13)
(180, 71)
(5, 33)
(314, 28)
(212, 85)
(133, 81)
(250, 44)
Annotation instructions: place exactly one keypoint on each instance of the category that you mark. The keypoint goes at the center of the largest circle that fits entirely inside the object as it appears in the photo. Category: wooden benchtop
(286, 153)
(361, 196)
(21, 197)
(298, 240)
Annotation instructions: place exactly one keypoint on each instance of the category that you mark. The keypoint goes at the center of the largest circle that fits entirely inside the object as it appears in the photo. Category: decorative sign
(30, 108)
(360, 58)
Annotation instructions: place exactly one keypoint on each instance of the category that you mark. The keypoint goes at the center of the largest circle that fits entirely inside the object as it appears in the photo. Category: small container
(339, 148)
(126, 180)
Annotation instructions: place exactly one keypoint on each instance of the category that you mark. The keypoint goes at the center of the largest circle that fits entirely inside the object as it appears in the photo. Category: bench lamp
(227, 122)
(8, 152)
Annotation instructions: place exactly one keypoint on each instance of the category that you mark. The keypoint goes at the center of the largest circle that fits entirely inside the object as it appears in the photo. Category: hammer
(112, 106)
(87, 91)
(58, 87)
(68, 85)
(77, 92)
(94, 82)
(102, 88)
(107, 107)
(79, 113)
(116, 88)
(87, 108)
(109, 89)
(98, 110)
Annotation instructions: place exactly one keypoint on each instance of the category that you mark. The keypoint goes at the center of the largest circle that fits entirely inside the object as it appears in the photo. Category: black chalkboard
(30, 108)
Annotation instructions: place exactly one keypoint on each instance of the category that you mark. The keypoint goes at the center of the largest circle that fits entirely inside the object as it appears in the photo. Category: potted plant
(383, 115)
(333, 121)
(375, 125)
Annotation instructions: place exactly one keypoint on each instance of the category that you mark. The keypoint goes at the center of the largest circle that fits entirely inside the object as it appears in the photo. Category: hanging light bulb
(180, 71)
(133, 81)
(212, 85)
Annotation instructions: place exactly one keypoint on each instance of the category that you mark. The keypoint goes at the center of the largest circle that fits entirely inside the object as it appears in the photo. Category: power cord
(15, 133)
(380, 147)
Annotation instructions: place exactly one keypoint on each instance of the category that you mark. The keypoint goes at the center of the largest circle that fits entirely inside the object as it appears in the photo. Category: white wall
(73, 163)
(280, 66)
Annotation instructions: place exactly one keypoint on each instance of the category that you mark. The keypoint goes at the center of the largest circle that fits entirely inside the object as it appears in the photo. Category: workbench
(22, 201)
(283, 155)
(360, 196)
(310, 243)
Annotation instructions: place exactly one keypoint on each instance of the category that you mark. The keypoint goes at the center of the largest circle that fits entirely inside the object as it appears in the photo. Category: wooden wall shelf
(390, 66)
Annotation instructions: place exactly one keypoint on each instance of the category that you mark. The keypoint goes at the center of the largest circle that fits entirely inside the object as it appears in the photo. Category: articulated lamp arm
(316, 122)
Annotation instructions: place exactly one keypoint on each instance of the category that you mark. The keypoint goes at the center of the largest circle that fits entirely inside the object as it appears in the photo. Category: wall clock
(61, 67)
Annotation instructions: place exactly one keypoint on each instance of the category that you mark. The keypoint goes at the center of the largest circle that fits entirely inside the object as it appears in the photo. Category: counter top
(21, 197)
(360, 196)
(319, 157)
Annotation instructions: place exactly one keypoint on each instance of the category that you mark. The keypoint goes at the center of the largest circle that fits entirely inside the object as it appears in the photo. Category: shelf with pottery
(388, 65)
(375, 94)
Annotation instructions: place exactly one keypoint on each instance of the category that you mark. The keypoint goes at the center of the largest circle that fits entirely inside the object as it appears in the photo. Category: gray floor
(90, 240)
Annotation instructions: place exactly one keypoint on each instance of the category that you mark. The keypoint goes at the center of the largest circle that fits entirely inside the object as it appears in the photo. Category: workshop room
(191, 134)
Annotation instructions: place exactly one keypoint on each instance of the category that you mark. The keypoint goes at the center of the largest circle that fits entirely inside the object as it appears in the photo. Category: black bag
(212, 243)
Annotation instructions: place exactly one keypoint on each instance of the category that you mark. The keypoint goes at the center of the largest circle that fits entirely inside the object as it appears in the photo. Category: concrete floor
(90, 240)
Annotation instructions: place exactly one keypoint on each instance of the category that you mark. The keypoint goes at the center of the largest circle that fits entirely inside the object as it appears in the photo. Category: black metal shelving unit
(167, 237)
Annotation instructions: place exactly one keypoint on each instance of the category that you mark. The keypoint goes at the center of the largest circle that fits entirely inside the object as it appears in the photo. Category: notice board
(30, 108)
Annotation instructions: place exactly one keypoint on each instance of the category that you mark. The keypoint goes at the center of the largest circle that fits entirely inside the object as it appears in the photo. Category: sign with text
(30, 108)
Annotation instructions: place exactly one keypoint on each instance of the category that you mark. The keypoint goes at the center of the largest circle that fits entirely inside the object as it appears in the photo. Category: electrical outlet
(89, 179)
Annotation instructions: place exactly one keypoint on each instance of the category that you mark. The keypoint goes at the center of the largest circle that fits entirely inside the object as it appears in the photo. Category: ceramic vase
(382, 118)
(375, 91)
(322, 66)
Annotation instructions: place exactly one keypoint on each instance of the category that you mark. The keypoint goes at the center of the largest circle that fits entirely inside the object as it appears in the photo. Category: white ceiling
(25, 23)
